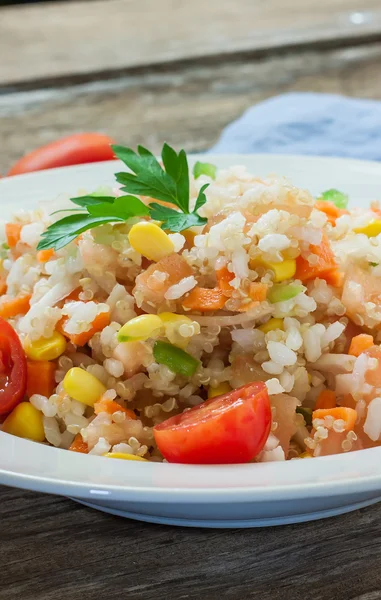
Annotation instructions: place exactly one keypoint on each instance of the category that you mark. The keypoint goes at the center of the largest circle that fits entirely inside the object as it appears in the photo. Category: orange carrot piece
(44, 255)
(3, 286)
(334, 278)
(326, 399)
(110, 407)
(331, 210)
(204, 299)
(258, 291)
(348, 415)
(360, 343)
(15, 306)
(80, 339)
(74, 296)
(224, 277)
(40, 378)
(78, 445)
(13, 233)
(325, 264)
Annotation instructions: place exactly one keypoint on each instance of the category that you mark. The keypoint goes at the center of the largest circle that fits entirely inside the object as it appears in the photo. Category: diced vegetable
(25, 421)
(110, 407)
(3, 286)
(331, 210)
(175, 359)
(372, 229)
(172, 328)
(141, 328)
(326, 399)
(45, 348)
(224, 277)
(124, 456)
(12, 369)
(79, 445)
(44, 255)
(40, 378)
(152, 284)
(150, 241)
(280, 292)
(83, 387)
(11, 307)
(232, 428)
(80, 339)
(306, 413)
(360, 343)
(204, 299)
(339, 199)
(271, 325)
(335, 278)
(347, 415)
(282, 270)
(219, 390)
(324, 264)
(258, 291)
(207, 169)
(13, 233)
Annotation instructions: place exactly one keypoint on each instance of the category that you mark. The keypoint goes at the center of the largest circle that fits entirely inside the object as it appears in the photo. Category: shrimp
(152, 284)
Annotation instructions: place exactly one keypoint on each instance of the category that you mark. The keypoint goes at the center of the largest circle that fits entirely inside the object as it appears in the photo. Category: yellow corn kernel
(25, 421)
(219, 390)
(271, 325)
(173, 323)
(371, 229)
(125, 456)
(305, 455)
(83, 387)
(140, 329)
(45, 348)
(282, 270)
(150, 241)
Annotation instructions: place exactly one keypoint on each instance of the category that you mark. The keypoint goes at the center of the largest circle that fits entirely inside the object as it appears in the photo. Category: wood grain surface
(52, 40)
(55, 549)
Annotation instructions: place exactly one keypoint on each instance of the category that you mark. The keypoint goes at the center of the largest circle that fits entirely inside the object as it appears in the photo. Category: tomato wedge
(228, 429)
(12, 369)
(72, 150)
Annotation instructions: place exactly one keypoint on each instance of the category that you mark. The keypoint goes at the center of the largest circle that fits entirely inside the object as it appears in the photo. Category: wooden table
(179, 71)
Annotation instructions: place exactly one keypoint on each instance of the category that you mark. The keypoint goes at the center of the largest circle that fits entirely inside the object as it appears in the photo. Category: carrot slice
(3, 286)
(78, 445)
(44, 255)
(110, 407)
(204, 299)
(40, 378)
(15, 306)
(258, 291)
(348, 415)
(334, 278)
(80, 339)
(331, 210)
(360, 343)
(13, 233)
(326, 399)
(224, 277)
(325, 262)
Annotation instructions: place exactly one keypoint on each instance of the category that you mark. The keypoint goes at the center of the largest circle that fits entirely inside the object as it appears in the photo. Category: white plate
(210, 496)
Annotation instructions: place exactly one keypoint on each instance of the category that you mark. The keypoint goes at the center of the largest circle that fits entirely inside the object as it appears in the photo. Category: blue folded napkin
(307, 123)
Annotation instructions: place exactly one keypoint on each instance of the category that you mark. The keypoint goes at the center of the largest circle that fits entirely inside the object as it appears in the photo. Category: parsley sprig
(168, 183)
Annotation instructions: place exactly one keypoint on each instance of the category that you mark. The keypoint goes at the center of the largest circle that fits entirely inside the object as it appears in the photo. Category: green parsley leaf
(201, 198)
(373, 264)
(123, 207)
(85, 201)
(173, 220)
(63, 232)
(339, 199)
(207, 169)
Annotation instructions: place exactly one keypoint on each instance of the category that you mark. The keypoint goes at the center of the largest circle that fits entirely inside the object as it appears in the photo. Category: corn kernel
(45, 348)
(219, 390)
(83, 387)
(150, 241)
(271, 325)
(25, 421)
(140, 329)
(305, 455)
(172, 325)
(282, 270)
(371, 229)
(125, 456)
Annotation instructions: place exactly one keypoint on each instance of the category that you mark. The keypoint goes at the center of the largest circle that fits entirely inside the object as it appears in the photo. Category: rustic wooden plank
(51, 40)
(54, 548)
(187, 107)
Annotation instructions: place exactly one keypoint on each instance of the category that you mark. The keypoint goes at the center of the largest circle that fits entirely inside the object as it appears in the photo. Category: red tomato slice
(72, 150)
(12, 369)
(232, 428)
